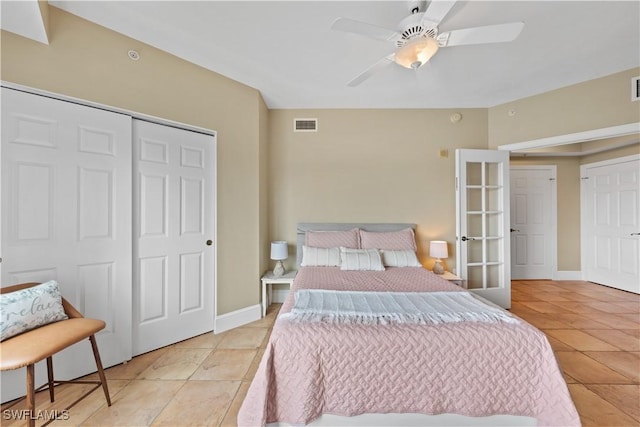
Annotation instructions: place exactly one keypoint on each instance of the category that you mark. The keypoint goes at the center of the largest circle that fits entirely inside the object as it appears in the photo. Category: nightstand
(268, 279)
(453, 279)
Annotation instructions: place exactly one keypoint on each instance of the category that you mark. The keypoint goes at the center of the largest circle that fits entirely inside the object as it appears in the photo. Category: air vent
(635, 89)
(305, 125)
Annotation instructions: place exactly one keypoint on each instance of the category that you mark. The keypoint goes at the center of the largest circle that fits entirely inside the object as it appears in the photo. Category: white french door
(533, 221)
(66, 216)
(482, 223)
(174, 205)
(611, 222)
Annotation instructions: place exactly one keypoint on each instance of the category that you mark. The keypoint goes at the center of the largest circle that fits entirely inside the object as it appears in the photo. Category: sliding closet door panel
(174, 217)
(66, 214)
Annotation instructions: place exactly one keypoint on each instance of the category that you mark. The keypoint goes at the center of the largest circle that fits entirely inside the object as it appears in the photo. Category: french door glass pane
(474, 277)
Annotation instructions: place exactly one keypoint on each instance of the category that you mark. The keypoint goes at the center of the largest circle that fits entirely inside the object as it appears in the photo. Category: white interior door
(482, 223)
(611, 222)
(174, 210)
(533, 222)
(66, 215)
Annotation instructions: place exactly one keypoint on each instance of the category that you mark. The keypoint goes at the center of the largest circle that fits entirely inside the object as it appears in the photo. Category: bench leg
(103, 380)
(50, 376)
(31, 398)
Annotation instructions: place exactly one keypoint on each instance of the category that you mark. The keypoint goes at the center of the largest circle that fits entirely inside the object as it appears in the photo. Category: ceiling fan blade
(436, 11)
(370, 30)
(478, 35)
(383, 63)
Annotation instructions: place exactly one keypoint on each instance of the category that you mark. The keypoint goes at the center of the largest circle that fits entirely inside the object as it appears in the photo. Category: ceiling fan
(418, 38)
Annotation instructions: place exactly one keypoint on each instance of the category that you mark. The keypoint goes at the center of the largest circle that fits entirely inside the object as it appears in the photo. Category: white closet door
(174, 211)
(533, 222)
(611, 222)
(66, 215)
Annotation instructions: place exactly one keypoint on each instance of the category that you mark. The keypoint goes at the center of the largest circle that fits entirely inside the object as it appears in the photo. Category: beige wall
(585, 106)
(369, 166)
(90, 62)
(613, 154)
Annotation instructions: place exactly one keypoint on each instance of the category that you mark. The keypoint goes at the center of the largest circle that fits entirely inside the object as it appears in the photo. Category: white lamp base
(438, 268)
(278, 270)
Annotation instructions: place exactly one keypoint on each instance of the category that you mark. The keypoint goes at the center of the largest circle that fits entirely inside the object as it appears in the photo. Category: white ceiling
(286, 50)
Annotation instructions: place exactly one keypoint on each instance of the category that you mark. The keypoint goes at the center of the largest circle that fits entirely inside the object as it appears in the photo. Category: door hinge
(552, 179)
(584, 177)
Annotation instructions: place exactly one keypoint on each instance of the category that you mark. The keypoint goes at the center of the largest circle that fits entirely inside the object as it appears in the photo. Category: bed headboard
(303, 227)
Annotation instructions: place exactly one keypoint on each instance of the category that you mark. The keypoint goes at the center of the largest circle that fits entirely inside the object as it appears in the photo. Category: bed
(330, 365)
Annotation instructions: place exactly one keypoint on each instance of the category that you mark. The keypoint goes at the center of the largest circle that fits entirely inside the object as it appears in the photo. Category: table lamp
(438, 250)
(279, 252)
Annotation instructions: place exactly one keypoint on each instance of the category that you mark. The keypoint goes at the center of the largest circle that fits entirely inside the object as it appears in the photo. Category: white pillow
(320, 257)
(360, 259)
(400, 259)
(29, 308)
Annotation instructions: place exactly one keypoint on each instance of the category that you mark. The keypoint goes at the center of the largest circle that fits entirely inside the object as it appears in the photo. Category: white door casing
(174, 221)
(66, 215)
(610, 223)
(533, 222)
(482, 223)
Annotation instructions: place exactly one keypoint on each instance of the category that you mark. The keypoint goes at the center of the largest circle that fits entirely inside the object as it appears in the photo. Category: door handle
(635, 234)
(209, 242)
(465, 238)
(513, 229)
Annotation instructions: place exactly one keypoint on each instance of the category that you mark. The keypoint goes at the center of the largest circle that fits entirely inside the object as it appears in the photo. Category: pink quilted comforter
(467, 368)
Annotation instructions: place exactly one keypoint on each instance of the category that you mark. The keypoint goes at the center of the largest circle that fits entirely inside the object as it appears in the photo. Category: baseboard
(237, 318)
(279, 295)
(567, 275)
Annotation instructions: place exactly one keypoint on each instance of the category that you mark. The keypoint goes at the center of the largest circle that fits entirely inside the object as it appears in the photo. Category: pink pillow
(333, 239)
(403, 240)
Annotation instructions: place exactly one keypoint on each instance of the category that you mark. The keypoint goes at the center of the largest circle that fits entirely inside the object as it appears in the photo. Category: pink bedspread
(469, 368)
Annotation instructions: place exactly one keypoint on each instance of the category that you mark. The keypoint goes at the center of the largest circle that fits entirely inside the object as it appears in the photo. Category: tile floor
(594, 330)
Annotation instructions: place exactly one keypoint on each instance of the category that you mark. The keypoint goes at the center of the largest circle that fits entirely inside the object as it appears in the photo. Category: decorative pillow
(333, 239)
(29, 308)
(320, 257)
(403, 240)
(400, 259)
(360, 259)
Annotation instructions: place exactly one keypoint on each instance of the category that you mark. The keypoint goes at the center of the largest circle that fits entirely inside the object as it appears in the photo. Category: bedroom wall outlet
(444, 153)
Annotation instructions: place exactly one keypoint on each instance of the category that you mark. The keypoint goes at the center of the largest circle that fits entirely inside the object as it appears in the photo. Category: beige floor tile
(608, 307)
(625, 362)
(580, 340)
(558, 345)
(132, 368)
(595, 411)
(175, 364)
(542, 321)
(618, 338)
(230, 420)
(225, 365)
(254, 365)
(544, 307)
(588, 371)
(618, 321)
(89, 405)
(243, 338)
(138, 404)
(580, 321)
(208, 340)
(624, 397)
(199, 403)
(580, 307)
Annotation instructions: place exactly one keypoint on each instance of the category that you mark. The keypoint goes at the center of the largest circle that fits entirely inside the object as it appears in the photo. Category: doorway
(533, 221)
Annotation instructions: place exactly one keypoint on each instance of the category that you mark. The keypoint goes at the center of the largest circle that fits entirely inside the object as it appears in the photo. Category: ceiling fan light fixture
(416, 53)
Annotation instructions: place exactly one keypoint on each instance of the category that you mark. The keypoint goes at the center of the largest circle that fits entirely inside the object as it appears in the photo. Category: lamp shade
(438, 249)
(417, 52)
(279, 250)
